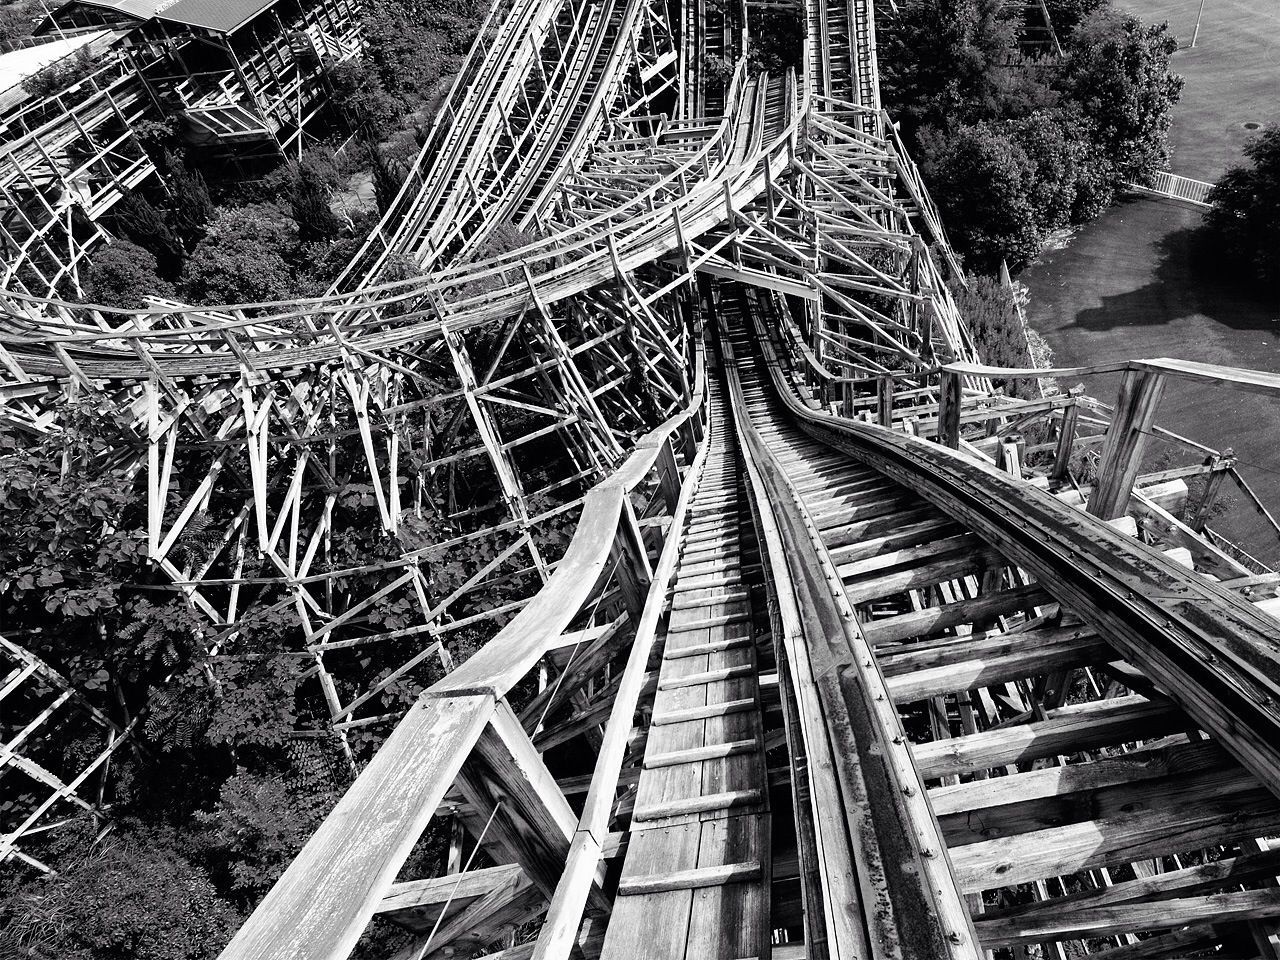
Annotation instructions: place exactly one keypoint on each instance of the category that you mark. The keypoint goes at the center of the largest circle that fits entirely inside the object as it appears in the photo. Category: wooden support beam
(1154, 829)
(949, 415)
(419, 897)
(1228, 872)
(1217, 908)
(930, 620)
(1066, 442)
(1135, 412)
(966, 663)
(506, 779)
(1068, 730)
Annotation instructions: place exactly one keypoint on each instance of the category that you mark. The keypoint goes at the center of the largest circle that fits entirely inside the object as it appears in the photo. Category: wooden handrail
(1258, 381)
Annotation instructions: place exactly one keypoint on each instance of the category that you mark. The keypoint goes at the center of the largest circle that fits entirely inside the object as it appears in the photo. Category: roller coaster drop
(827, 670)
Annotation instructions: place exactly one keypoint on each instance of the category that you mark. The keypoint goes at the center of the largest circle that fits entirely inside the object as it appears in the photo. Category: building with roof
(248, 78)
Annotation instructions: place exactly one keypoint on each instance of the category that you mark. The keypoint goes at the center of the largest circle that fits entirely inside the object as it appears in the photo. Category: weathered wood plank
(1116, 919)
(1067, 730)
(1065, 850)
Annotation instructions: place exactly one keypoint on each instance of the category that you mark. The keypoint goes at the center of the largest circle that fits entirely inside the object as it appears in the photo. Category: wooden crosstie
(841, 660)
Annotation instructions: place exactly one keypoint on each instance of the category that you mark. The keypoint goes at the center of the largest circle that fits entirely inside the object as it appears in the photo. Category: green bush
(1245, 213)
(121, 275)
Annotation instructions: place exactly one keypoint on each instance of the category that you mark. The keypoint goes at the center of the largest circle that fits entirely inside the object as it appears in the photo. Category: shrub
(129, 897)
(123, 274)
(991, 310)
(243, 258)
(1245, 214)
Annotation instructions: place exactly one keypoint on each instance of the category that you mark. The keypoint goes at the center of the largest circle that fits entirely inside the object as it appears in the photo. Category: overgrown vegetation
(219, 791)
(17, 21)
(999, 332)
(1245, 215)
(284, 235)
(1014, 147)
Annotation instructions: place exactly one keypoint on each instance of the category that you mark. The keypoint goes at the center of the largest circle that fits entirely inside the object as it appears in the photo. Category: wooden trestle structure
(844, 659)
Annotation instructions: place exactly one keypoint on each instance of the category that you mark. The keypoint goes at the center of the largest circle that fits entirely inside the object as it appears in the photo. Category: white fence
(1173, 187)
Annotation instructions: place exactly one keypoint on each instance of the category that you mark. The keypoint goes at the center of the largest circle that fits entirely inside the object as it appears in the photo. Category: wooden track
(695, 882)
(1033, 778)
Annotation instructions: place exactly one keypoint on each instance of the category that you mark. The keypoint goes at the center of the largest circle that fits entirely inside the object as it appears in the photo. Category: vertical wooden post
(884, 401)
(1066, 441)
(949, 410)
(668, 474)
(1126, 440)
(1220, 465)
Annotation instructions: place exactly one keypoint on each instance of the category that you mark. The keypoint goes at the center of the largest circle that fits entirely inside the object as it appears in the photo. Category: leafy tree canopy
(1245, 216)
(122, 275)
(243, 258)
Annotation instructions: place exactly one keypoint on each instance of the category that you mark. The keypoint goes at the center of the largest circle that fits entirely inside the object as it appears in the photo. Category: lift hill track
(830, 668)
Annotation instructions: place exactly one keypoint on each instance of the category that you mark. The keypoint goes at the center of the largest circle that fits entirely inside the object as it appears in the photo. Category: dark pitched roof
(219, 16)
(141, 9)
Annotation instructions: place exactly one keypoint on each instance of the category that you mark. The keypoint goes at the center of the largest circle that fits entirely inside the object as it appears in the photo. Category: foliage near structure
(1013, 147)
(219, 790)
(1245, 214)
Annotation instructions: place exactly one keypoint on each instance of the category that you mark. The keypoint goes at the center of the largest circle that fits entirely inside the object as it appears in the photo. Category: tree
(1245, 213)
(985, 183)
(1073, 181)
(243, 258)
(129, 897)
(357, 91)
(1066, 15)
(123, 274)
(312, 179)
(190, 209)
(1118, 72)
(941, 60)
(18, 20)
(136, 218)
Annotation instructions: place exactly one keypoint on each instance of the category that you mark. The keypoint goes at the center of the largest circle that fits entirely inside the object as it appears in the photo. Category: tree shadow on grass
(1191, 279)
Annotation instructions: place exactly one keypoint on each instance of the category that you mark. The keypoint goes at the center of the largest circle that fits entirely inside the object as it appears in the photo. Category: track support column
(1140, 394)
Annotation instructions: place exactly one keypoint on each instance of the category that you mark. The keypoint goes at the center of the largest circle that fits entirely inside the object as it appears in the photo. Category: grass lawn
(1232, 74)
(1132, 283)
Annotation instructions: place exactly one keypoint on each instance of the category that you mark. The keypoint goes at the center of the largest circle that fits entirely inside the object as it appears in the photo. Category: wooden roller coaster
(845, 658)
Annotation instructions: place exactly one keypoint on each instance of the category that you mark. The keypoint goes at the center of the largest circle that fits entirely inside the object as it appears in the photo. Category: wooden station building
(247, 75)
(248, 78)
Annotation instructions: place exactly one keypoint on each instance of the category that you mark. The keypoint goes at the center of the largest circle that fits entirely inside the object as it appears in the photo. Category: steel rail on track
(904, 894)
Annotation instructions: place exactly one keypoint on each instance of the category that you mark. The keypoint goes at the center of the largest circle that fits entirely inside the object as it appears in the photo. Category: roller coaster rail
(847, 657)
